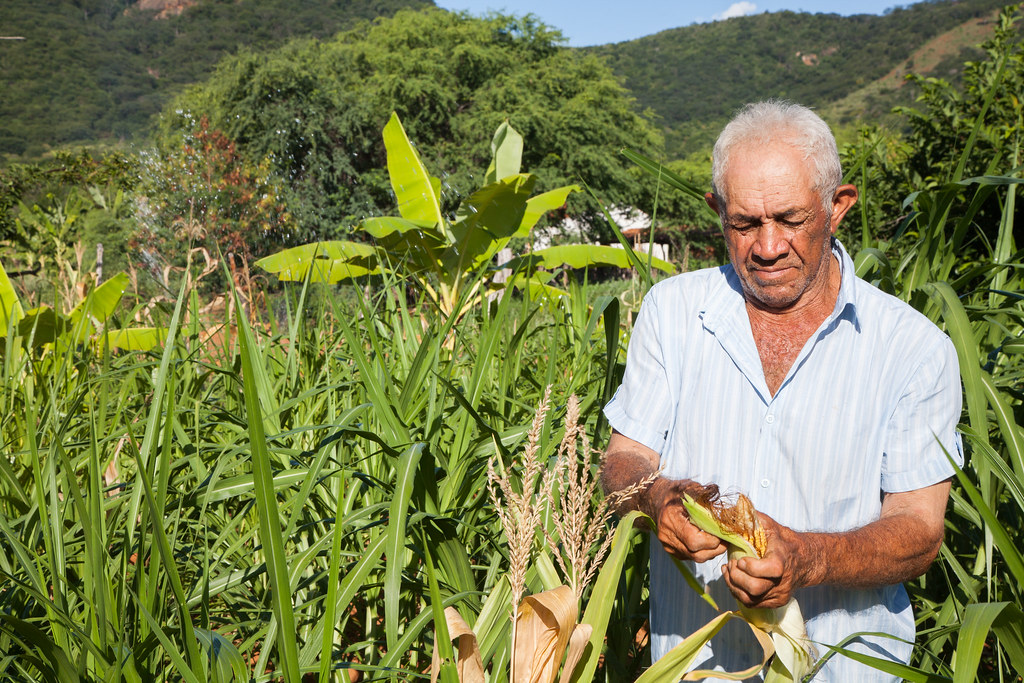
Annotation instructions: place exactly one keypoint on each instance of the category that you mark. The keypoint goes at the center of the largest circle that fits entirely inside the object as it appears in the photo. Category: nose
(771, 243)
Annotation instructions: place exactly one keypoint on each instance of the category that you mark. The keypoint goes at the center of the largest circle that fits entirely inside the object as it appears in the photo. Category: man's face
(775, 227)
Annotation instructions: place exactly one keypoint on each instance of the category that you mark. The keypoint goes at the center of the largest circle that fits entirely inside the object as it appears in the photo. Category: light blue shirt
(868, 407)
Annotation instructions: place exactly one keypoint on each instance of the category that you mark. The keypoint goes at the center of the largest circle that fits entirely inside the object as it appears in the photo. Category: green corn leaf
(1013, 435)
(226, 661)
(267, 504)
(405, 475)
(902, 671)
(1003, 540)
(181, 667)
(352, 583)
(702, 518)
(671, 667)
(669, 176)
(34, 639)
(958, 326)
(978, 621)
(442, 640)
(599, 608)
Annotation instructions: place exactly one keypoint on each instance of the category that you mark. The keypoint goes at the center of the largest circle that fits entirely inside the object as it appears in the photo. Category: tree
(314, 110)
(204, 194)
(954, 133)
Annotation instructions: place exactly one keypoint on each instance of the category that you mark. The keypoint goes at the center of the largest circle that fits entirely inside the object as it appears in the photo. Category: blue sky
(595, 22)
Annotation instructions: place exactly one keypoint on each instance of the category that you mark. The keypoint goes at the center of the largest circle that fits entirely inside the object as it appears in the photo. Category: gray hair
(795, 124)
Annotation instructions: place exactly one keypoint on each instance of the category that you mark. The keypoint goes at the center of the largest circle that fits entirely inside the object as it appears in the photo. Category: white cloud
(737, 9)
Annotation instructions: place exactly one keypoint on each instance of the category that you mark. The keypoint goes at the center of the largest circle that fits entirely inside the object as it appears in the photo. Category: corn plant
(944, 262)
(263, 510)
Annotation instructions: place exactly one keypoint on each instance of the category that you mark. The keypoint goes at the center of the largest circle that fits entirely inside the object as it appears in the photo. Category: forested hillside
(97, 70)
(694, 77)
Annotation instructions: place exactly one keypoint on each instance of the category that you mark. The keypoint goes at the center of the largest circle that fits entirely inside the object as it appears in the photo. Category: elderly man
(783, 376)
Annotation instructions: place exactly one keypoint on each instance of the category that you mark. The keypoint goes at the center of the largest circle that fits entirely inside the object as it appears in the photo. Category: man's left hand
(897, 547)
(768, 581)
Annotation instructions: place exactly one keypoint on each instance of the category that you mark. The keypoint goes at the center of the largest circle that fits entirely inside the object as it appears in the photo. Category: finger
(705, 555)
(755, 587)
(703, 541)
(769, 568)
(738, 592)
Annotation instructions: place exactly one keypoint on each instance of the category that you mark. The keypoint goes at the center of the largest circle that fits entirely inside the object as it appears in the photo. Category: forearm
(899, 546)
(623, 470)
(889, 551)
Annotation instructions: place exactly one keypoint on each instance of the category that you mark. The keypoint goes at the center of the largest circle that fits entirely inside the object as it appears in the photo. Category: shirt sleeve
(922, 428)
(641, 408)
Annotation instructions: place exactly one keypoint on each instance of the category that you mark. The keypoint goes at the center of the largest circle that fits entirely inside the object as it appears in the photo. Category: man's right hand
(678, 536)
(628, 462)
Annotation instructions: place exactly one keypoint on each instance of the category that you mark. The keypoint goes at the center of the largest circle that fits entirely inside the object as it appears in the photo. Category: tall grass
(945, 263)
(255, 509)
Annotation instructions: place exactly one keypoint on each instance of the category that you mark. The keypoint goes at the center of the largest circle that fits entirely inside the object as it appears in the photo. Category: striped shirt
(870, 405)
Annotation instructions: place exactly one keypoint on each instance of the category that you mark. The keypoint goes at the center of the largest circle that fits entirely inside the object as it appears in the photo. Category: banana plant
(449, 258)
(43, 325)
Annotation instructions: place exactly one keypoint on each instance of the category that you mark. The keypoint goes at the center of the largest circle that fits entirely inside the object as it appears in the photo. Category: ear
(712, 201)
(843, 200)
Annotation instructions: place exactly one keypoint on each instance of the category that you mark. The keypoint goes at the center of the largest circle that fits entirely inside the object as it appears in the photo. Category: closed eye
(741, 227)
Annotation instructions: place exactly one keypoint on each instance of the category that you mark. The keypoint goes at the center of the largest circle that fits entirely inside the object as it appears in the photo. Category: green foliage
(202, 195)
(953, 133)
(956, 259)
(696, 76)
(451, 260)
(314, 108)
(157, 508)
(53, 217)
(120, 64)
(256, 501)
(43, 328)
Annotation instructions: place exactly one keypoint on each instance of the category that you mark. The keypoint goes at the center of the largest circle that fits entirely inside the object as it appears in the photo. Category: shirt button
(764, 483)
(770, 419)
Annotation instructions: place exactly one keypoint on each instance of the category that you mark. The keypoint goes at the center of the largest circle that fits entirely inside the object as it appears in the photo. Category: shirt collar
(846, 301)
(725, 303)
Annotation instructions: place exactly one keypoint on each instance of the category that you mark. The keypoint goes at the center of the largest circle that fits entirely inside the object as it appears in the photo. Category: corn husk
(741, 531)
(578, 642)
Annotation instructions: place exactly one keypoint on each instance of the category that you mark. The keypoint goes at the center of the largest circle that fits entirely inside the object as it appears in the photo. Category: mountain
(97, 71)
(693, 78)
(77, 71)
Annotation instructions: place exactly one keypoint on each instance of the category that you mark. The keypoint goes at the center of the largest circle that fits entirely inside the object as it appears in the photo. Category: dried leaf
(544, 624)
(577, 646)
(468, 661)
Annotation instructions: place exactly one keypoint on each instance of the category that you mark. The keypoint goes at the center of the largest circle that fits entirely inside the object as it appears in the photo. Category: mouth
(775, 273)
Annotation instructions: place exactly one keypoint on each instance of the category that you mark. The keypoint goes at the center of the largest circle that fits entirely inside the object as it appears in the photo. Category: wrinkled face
(775, 227)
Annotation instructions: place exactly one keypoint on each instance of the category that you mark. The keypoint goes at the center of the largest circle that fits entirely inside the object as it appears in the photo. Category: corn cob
(732, 523)
(740, 528)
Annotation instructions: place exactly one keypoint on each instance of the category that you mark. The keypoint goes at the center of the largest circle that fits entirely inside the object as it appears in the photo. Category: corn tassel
(739, 527)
